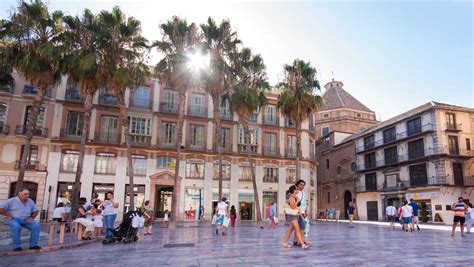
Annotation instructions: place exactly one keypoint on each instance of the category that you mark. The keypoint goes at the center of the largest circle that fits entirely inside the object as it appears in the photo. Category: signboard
(422, 195)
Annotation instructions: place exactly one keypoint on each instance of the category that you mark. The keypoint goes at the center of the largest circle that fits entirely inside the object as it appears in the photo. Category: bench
(62, 230)
(78, 230)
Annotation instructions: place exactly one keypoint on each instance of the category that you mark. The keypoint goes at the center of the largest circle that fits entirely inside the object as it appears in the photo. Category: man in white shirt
(391, 212)
(407, 213)
(221, 216)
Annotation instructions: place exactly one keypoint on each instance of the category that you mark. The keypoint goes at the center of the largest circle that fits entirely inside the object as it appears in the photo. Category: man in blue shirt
(20, 212)
(414, 220)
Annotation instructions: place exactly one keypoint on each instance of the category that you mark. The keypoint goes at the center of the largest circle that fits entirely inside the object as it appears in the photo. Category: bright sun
(198, 61)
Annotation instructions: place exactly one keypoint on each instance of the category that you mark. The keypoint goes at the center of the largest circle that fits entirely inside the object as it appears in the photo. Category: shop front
(424, 200)
(246, 205)
(139, 196)
(193, 202)
(64, 192)
(269, 198)
(99, 191)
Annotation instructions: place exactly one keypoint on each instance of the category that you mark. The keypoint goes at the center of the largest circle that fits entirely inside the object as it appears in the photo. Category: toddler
(98, 224)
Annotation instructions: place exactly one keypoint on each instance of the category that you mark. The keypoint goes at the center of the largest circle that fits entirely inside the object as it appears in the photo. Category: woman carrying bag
(293, 212)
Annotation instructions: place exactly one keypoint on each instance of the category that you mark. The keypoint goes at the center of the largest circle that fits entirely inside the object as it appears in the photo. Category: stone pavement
(246, 245)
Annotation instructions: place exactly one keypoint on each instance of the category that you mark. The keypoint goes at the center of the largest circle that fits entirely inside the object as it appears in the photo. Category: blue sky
(391, 55)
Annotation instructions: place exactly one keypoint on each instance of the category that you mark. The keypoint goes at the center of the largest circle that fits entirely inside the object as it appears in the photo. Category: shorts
(220, 220)
(406, 220)
(459, 219)
(391, 218)
(415, 219)
(301, 222)
(291, 218)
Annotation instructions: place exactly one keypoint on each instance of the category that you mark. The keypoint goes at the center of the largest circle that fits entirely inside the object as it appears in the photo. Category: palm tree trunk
(298, 149)
(31, 126)
(254, 180)
(217, 140)
(126, 129)
(179, 138)
(80, 161)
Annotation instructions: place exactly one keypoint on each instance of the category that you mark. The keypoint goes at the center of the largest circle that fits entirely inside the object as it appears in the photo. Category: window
(139, 164)
(353, 166)
(140, 126)
(414, 126)
(225, 109)
(327, 164)
(195, 170)
(391, 155)
(329, 197)
(225, 138)
(3, 114)
(170, 103)
(142, 97)
(451, 121)
(225, 171)
(290, 123)
(254, 136)
(371, 181)
(418, 175)
(109, 129)
(389, 135)
(105, 163)
(370, 160)
(358, 115)
(270, 115)
(270, 148)
(69, 159)
(338, 169)
(326, 115)
(168, 131)
(32, 157)
(196, 136)
(198, 106)
(29, 113)
(453, 145)
(291, 146)
(468, 144)
(74, 123)
(324, 131)
(270, 174)
(290, 176)
(416, 149)
(165, 162)
(369, 142)
(245, 173)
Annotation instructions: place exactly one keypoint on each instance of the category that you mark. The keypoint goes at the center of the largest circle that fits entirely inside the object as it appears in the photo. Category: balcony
(459, 152)
(290, 153)
(107, 138)
(29, 90)
(197, 111)
(290, 123)
(253, 117)
(267, 120)
(226, 115)
(140, 140)
(271, 151)
(399, 137)
(74, 95)
(4, 129)
(38, 131)
(141, 103)
(165, 143)
(68, 134)
(7, 90)
(30, 165)
(108, 99)
(244, 148)
(403, 185)
(194, 144)
(453, 127)
(364, 188)
(226, 149)
(312, 156)
(270, 179)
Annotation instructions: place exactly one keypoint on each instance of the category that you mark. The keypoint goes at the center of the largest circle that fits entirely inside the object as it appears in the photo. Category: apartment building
(153, 114)
(424, 154)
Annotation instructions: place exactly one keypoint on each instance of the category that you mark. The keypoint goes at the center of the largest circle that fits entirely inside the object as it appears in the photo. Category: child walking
(98, 224)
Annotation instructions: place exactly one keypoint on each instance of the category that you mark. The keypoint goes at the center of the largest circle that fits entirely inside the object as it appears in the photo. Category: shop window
(166, 162)
(139, 196)
(448, 207)
(195, 170)
(105, 163)
(290, 176)
(69, 159)
(225, 171)
(438, 207)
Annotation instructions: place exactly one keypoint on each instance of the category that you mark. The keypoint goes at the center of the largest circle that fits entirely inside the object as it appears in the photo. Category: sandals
(305, 246)
(285, 245)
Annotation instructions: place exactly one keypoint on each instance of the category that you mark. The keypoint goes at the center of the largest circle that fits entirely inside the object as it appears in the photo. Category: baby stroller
(127, 231)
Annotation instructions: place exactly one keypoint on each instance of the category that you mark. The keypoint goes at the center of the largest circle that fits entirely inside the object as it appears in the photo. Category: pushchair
(127, 231)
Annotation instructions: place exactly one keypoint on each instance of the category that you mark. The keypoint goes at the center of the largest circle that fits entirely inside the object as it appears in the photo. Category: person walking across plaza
(302, 203)
(221, 216)
(391, 213)
(20, 211)
(416, 208)
(407, 213)
(459, 209)
(293, 212)
(233, 216)
(271, 216)
(469, 218)
(148, 215)
(337, 214)
(109, 212)
(350, 213)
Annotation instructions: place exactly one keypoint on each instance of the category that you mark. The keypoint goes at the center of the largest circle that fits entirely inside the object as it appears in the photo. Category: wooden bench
(62, 230)
(78, 230)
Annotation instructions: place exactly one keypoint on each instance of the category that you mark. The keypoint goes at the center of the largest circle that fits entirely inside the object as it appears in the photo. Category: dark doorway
(163, 198)
(372, 211)
(347, 199)
(458, 174)
(32, 187)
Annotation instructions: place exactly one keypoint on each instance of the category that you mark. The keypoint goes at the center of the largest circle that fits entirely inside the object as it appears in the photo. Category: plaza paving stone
(246, 245)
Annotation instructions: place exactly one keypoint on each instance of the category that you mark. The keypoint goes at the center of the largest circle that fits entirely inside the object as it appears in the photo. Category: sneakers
(17, 249)
(305, 246)
(35, 248)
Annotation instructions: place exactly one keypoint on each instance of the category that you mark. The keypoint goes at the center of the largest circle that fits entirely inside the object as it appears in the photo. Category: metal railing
(107, 138)
(4, 129)
(271, 151)
(244, 148)
(290, 153)
(270, 178)
(140, 140)
(108, 99)
(399, 136)
(164, 143)
(271, 121)
(74, 95)
(194, 144)
(198, 111)
(404, 184)
(67, 134)
(141, 103)
(30, 165)
(31, 90)
(453, 127)
(37, 131)
(226, 115)
(398, 159)
(169, 107)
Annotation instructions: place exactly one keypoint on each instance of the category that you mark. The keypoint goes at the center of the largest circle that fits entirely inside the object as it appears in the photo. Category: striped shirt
(460, 209)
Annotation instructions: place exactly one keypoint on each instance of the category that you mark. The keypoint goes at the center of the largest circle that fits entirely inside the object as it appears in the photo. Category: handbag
(214, 218)
(275, 220)
(226, 222)
(289, 211)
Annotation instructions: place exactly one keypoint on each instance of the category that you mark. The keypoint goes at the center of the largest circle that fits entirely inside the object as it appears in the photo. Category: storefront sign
(422, 195)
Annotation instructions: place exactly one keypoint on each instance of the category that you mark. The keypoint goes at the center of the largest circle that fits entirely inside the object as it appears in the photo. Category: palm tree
(299, 101)
(246, 98)
(178, 41)
(220, 42)
(124, 52)
(84, 65)
(30, 44)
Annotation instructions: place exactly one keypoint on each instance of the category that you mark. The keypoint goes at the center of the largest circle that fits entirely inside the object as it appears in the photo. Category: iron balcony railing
(290, 153)
(169, 107)
(107, 138)
(69, 134)
(140, 140)
(31, 91)
(226, 115)
(108, 99)
(267, 120)
(194, 144)
(74, 95)
(226, 149)
(399, 136)
(30, 165)
(37, 131)
(270, 178)
(399, 159)
(271, 151)
(141, 103)
(4, 129)
(453, 127)
(198, 111)
(166, 143)
(403, 184)
(244, 148)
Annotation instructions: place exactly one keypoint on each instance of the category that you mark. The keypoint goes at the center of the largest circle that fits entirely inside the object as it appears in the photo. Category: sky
(391, 55)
